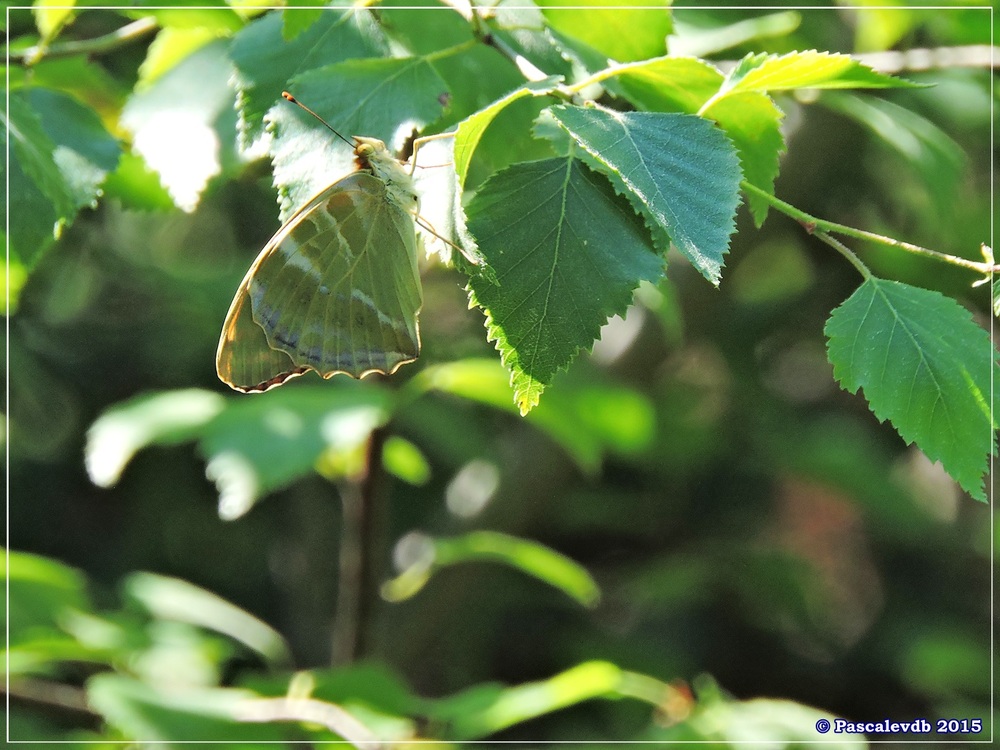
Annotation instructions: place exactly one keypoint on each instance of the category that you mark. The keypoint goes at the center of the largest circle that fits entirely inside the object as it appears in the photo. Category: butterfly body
(336, 289)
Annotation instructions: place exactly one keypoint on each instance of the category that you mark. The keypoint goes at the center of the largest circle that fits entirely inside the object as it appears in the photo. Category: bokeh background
(748, 523)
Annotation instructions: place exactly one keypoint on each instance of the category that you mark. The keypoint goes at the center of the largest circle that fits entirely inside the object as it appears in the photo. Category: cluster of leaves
(559, 242)
(153, 669)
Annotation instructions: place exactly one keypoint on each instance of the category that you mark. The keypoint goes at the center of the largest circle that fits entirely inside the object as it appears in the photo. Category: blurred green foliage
(694, 536)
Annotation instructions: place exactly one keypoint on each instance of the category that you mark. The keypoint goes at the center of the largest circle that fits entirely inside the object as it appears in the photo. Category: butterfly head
(373, 155)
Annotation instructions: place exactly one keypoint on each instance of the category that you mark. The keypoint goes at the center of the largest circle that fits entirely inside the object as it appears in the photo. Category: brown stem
(360, 546)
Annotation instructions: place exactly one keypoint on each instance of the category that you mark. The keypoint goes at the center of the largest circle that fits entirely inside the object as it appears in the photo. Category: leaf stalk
(820, 227)
(98, 45)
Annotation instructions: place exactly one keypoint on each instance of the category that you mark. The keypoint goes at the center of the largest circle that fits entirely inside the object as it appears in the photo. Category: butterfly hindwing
(245, 361)
(335, 290)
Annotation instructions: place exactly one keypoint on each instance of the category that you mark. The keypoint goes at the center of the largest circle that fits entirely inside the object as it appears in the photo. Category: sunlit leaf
(805, 70)
(483, 710)
(51, 16)
(159, 419)
(253, 446)
(470, 130)
(183, 125)
(753, 121)
(691, 39)
(173, 599)
(618, 30)
(531, 558)
(41, 591)
(169, 48)
(403, 459)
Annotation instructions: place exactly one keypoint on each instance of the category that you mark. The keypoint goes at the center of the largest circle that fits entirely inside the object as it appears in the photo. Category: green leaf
(404, 460)
(60, 155)
(380, 98)
(136, 186)
(937, 158)
(567, 254)
(806, 70)
(170, 47)
(755, 723)
(179, 601)
(265, 61)
(486, 709)
(183, 124)
(253, 445)
(679, 171)
(666, 84)
(925, 366)
(753, 122)
(301, 17)
(703, 41)
(39, 196)
(51, 16)
(41, 591)
(428, 555)
(588, 419)
(623, 33)
(470, 130)
(216, 15)
(159, 419)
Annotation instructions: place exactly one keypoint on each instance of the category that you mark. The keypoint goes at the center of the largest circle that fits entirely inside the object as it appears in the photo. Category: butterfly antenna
(293, 100)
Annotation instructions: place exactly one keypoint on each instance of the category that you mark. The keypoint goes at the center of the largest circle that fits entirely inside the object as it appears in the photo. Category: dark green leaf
(926, 367)
(60, 155)
(567, 254)
(265, 61)
(679, 171)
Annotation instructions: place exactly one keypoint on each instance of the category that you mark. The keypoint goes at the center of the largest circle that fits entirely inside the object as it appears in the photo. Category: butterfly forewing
(335, 290)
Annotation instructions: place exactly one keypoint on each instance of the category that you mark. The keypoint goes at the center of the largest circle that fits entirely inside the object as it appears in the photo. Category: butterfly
(336, 289)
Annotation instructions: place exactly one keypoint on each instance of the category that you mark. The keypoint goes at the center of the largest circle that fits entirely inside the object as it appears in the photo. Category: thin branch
(482, 33)
(841, 248)
(311, 711)
(913, 60)
(55, 696)
(812, 224)
(109, 42)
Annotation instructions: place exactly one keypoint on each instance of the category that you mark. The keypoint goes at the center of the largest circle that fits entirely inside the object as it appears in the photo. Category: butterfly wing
(335, 290)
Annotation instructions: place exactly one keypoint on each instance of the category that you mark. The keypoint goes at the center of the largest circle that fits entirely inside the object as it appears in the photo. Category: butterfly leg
(417, 143)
